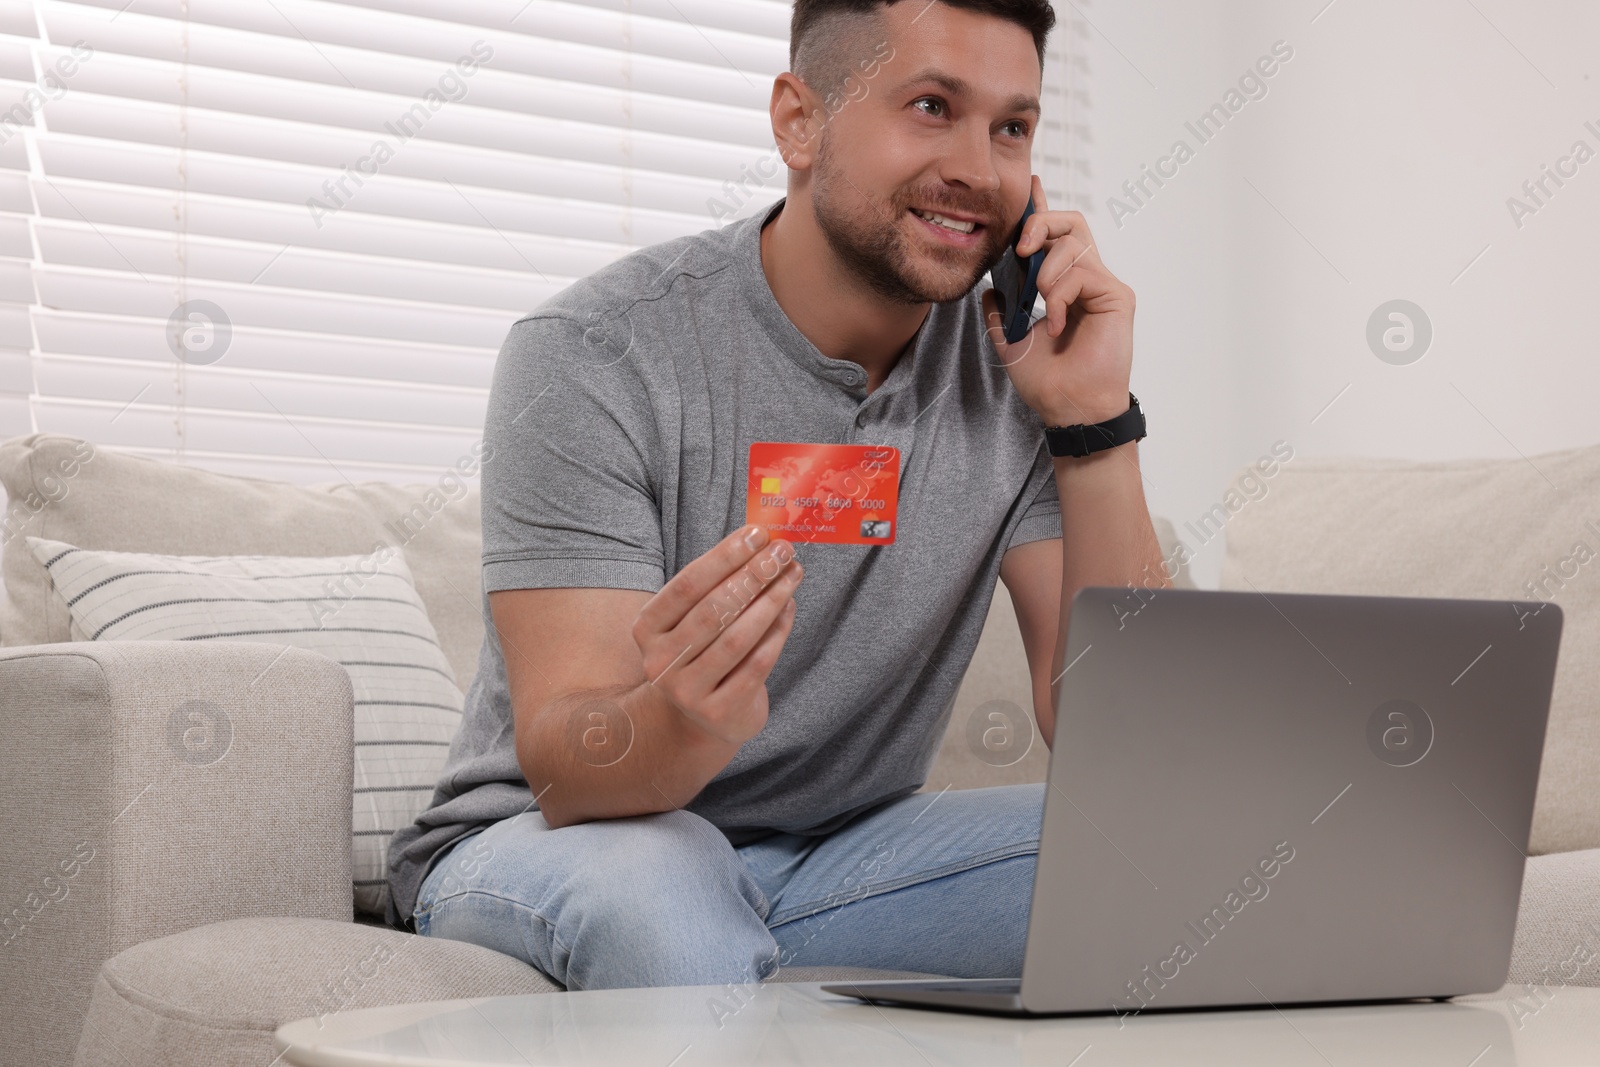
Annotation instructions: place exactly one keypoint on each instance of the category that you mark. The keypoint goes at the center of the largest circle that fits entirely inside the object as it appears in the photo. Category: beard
(869, 238)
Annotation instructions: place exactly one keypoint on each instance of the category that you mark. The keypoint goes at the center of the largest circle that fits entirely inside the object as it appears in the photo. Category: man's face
(945, 128)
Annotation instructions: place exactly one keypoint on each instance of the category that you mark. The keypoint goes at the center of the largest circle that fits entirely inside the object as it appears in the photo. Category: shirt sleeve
(569, 495)
(1041, 520)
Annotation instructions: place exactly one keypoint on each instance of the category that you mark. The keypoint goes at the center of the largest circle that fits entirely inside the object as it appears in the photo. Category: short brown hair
(816, 31)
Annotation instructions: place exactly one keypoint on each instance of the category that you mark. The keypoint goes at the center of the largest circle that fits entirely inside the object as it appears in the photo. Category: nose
(969, 159)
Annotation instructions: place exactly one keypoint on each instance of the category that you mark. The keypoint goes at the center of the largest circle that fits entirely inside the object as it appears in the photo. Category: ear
(797, 121)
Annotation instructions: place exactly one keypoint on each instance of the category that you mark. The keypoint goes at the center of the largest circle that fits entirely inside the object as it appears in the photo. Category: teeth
(949, 224)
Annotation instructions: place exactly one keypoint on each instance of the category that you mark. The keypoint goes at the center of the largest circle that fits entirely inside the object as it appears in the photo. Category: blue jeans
(938, 883)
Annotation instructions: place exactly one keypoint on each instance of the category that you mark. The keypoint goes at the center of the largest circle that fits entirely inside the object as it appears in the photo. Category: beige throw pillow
(66, 489)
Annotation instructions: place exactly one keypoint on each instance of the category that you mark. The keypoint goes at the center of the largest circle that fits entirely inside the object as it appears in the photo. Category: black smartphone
(1016, 283)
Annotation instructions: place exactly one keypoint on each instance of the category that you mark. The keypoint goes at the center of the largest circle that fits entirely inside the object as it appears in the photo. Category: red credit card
(827, 494)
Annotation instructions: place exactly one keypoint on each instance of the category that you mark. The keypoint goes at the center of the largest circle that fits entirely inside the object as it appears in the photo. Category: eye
(934, 101)
(1020, 127)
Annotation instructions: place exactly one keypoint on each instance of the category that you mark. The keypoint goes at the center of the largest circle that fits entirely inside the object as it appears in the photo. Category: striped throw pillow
(362, 611)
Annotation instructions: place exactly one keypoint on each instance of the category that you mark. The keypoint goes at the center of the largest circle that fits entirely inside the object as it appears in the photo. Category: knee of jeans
(662, 861)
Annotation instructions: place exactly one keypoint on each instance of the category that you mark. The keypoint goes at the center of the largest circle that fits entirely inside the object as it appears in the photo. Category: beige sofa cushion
(214, 994)
(65, 489)
(1481, 528)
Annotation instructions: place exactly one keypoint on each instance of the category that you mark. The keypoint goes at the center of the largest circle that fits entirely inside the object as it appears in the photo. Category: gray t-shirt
(618, 430)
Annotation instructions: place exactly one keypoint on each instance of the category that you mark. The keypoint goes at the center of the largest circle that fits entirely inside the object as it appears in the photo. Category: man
(681, 762)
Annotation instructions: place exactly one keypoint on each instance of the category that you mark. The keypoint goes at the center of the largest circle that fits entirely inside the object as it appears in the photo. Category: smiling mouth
(955, 226)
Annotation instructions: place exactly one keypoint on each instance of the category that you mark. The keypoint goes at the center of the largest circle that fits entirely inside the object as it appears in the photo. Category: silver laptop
(1264, 798)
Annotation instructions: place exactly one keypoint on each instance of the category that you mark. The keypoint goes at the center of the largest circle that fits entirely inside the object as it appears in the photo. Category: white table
(779, 1024)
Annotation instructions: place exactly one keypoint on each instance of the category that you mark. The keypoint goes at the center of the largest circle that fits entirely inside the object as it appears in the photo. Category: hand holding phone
(1016, 283)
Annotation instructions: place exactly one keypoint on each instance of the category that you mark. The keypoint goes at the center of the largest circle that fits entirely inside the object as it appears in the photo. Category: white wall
(1377, 166)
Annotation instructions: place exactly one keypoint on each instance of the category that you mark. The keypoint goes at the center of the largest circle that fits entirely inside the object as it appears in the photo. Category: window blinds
(285, 238)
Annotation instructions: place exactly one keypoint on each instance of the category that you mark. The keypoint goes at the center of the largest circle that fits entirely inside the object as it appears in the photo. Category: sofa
(161, 912)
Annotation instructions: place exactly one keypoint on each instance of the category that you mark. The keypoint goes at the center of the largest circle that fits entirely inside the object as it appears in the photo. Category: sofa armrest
(148, 787)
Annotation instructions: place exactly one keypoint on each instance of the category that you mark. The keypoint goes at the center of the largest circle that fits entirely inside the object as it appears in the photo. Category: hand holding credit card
(709, 638)
(824, 494)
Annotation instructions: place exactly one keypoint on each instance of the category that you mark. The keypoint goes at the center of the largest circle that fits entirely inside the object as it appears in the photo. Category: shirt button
(861, 420)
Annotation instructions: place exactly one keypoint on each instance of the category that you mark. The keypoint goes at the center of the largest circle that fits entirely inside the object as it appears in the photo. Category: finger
(1058, 302)
(718, 608)
(690, 585)
(1029, 243)
(1091, 292)
(1065, 264)
(1044, 228)
(1068, 252)
(752, 671)
(722, 651)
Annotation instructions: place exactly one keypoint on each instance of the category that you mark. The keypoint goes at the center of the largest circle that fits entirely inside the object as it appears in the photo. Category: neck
(837, 312)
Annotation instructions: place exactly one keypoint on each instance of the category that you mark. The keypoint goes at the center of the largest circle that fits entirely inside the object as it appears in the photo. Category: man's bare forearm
(1107, 537)
(612, 753)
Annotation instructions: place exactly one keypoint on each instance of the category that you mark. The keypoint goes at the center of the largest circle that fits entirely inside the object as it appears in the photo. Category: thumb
(993, 326)
(1010, 353)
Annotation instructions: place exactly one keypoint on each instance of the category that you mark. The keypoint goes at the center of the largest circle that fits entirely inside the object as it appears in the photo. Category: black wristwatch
(1082, 439)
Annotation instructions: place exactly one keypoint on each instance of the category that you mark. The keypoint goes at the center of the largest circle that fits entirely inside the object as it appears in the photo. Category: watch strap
(1082, 439)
